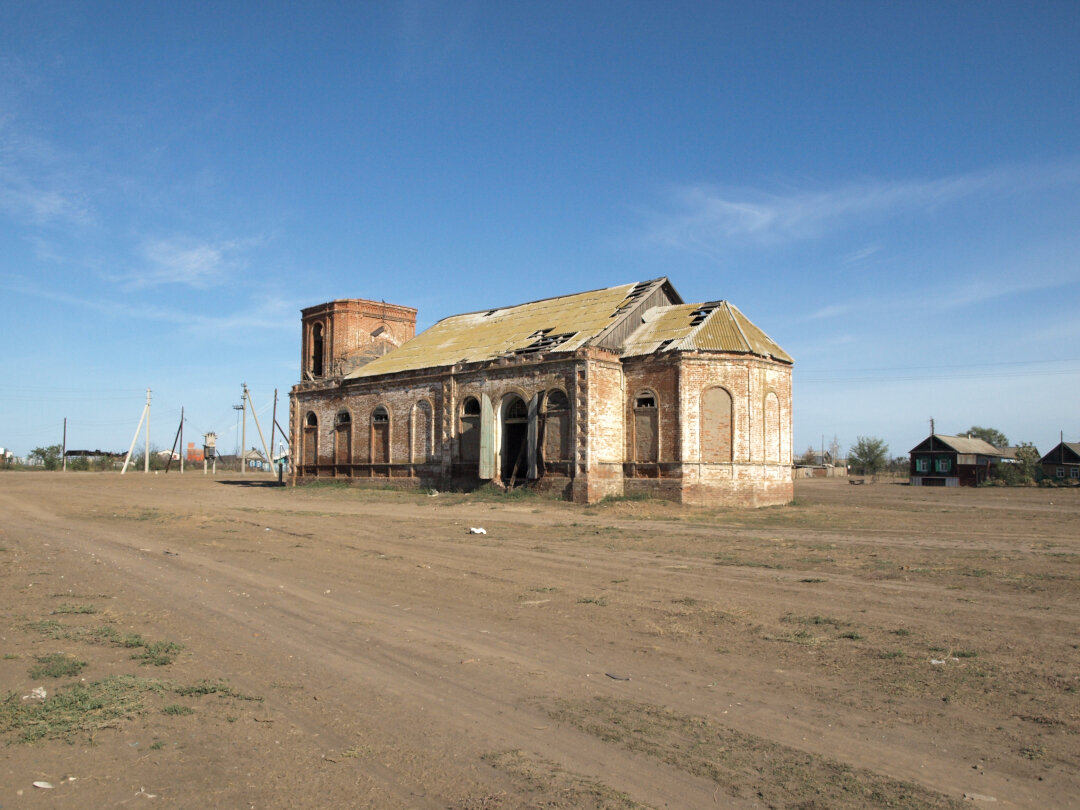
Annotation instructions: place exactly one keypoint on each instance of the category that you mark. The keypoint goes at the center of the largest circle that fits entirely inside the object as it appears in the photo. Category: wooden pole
(179, 433)
(273, 424)
(63, 447)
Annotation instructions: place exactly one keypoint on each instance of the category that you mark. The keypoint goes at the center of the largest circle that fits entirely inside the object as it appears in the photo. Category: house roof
(570, 322)
(964, 444)
(1057, 455)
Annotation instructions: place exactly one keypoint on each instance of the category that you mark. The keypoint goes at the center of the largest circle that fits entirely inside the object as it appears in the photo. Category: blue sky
(890, 190)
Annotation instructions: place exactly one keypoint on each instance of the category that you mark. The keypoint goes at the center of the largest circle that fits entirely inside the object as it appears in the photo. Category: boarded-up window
(556, 446)
(469, 431)
(422, 435)
(716, 425)
(311, 439)
(772, 427)
(646, 429)
(343, 438)
(380, 436)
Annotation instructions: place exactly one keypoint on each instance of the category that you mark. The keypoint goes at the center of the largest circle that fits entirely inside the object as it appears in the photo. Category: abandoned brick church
(619, 391)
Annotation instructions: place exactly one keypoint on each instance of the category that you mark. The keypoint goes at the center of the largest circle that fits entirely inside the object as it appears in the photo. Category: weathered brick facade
(702, 427)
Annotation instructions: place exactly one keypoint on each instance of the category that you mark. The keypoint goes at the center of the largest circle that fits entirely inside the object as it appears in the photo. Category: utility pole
(146, 453)
(273, 424)
(63, 450)
(135, 438)
(238, 408)
(179, 438)
(262, 438)
(243, 435)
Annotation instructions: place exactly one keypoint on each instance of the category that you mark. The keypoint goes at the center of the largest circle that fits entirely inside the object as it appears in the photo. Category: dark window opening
(645, 401)
(471, 407)
(380, 415)
(342, 418)
(517, 410)
(312, 420)
(317, 350)
(557, 401)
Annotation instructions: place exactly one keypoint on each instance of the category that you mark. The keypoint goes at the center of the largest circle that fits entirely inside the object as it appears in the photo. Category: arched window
(311, 439)
(716, 424)
(469, 430)
(422, 432)
(343, 437)
(772, 428)
(646, 428)
(556, 439)
(380, 436)
(317, 350)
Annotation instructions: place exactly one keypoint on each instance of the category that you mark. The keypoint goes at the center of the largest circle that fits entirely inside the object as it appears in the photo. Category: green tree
(1025, 470)
(991, 435)
(48, 456)
(868, 455)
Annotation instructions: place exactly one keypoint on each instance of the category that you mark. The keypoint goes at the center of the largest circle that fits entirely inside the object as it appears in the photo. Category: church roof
(634, 319)
(716, 326)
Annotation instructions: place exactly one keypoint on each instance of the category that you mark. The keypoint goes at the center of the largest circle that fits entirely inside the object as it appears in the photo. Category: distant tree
(899, 465)
(807, 459)
(1026, 469)
(834, 448)
(991, 435)
(49, 457)
(868, 455)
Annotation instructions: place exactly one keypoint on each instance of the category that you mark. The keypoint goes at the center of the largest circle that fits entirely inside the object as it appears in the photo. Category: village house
(950, 461)
(620, 391)
(1063, 462)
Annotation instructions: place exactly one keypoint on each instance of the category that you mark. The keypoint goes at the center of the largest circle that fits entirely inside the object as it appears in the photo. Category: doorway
(514, 462)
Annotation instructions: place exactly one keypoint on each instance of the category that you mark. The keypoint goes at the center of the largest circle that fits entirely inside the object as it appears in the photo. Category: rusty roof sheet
(562, 324)
(715, 326)
(965, 444)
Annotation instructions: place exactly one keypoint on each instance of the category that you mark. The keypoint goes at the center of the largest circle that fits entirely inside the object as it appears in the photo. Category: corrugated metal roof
(565, 324)
(715, 326)
(569, 322)
(963, 444)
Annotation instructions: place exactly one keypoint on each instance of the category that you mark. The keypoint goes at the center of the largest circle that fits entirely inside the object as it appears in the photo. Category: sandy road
(399, 656)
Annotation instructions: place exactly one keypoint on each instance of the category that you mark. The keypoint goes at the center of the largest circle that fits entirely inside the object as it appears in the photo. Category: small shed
(952, 461)
(1063, 462)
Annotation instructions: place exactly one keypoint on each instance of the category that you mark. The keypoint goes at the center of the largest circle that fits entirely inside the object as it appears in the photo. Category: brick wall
(601, 390)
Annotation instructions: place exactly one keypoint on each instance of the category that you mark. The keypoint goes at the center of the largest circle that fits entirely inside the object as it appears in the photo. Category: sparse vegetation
(74, 609)
(159, 653)
(56, 665)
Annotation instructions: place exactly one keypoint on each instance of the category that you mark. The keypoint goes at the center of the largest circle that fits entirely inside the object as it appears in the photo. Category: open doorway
(514, 461)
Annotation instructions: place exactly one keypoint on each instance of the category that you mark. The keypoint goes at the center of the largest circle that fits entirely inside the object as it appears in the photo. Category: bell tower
(341, 336)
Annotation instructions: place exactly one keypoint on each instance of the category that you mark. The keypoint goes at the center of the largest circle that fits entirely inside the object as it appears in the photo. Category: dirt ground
(217, 642)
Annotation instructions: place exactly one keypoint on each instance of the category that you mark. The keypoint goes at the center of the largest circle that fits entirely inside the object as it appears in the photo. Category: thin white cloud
(186, 261)
(705, 219)
(267, 313)
(37, 183)
(860, 255)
